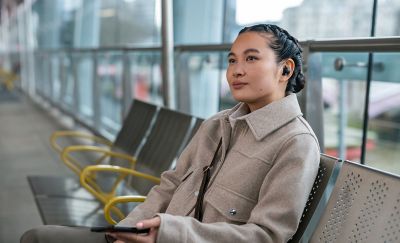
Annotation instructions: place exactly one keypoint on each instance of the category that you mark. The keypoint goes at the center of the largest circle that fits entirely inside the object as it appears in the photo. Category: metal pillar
(168, 74)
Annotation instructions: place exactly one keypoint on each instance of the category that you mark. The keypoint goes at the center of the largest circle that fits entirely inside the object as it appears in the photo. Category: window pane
(198, 22)
(84, 65)
(199, 80)
(384, 113)
(388, 18)
(109, 73)
(145, 76)
(130, 22)
(309, 19)
(343, 88)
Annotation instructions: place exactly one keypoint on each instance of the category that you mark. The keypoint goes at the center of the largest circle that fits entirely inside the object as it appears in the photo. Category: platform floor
(24, 150)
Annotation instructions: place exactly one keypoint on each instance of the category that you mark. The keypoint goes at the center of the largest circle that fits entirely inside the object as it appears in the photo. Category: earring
(285, 71)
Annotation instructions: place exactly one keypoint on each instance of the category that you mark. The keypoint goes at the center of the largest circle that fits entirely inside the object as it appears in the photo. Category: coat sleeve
(159, 196)
(281, 201)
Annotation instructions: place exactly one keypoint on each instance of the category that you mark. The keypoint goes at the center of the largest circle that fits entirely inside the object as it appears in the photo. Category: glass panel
(133, 22)
(343, 88)
(145, 76)
(387, 18)
(47, 74)
(84, 64)
(384, 113)
(328, 18)
(200, 77)
(198, 22)
(109, 73)
(226, 99)
(67, 82)
(42, 72)
(47, 15)
(38, 62)
(55, 77)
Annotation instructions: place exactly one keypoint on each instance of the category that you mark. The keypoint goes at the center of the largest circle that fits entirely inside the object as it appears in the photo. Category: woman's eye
(251, 58)
(231, 60)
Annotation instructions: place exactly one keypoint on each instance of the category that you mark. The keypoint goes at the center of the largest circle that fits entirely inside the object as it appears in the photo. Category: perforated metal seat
(128, 140)
(318, 197)
(161, 147)
(364, 207)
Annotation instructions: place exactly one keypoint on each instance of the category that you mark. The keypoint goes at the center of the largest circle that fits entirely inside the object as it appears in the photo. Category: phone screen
(113, 228)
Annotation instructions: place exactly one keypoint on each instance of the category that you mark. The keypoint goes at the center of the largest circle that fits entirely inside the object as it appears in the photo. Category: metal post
(50, 73)
(368, 88)
(30, 50)
(168, 54)
(126, 84)
(96, 94)
(310, 98)
(76, 90)
(63, 79)
(342, 118)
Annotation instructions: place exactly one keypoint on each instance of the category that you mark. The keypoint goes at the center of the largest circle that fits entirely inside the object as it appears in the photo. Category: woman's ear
(287, 69)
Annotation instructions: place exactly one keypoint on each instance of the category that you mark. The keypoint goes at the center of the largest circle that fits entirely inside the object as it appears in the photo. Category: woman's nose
(238, 71)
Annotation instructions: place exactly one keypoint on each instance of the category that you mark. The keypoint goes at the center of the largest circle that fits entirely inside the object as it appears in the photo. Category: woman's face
(253, 74)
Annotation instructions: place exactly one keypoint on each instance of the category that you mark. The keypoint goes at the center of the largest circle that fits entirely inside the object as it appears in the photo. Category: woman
(247, 173)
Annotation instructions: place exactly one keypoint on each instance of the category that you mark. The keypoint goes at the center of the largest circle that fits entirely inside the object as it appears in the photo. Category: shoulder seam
(290, 138)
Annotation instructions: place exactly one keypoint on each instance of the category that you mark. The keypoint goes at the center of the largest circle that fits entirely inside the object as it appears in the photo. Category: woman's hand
(153, 224)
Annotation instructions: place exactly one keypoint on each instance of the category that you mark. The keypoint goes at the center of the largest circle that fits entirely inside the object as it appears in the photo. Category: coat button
(232, 211)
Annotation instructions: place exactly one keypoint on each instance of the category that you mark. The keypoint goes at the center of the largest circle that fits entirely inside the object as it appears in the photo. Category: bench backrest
(364, 207)
(317, 197)
(135, 126)
(161, 146)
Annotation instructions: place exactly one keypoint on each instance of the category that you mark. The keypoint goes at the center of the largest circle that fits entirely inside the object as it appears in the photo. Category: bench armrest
(77, 167)
(89, 184)
(110, 206)
(62, 134)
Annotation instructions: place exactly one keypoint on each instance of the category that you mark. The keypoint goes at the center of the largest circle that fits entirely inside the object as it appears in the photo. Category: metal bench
(63, 201)
(323, 184)
(363, 207)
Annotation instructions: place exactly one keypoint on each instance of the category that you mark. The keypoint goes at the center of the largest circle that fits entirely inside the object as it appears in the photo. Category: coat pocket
(186, 175)
(229, 205)
(184, 196)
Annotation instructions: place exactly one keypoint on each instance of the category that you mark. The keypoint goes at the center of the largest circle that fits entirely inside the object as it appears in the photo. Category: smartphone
(114, 228)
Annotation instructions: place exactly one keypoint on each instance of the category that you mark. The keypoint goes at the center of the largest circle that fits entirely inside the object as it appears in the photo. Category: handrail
(371, 44)
(368, 44)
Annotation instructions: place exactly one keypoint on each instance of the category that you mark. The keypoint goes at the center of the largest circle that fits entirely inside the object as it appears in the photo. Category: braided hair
(285, 46)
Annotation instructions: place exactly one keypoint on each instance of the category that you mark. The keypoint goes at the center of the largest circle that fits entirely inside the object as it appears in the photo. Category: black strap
(198, 212)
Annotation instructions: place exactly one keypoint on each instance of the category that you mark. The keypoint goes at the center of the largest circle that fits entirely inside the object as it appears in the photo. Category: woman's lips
(238, 85)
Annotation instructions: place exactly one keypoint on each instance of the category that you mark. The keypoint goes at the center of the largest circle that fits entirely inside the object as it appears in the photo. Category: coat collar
(268, 118)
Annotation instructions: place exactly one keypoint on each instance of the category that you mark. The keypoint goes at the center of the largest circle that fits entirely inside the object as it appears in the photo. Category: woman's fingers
(153, 224)
(137, 238)
(149, 223)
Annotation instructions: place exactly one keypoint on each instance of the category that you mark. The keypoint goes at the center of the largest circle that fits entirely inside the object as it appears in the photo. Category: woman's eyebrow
(247, 51)
(251, 50)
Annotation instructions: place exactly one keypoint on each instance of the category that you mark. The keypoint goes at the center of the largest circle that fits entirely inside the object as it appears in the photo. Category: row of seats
(349, 202)
(147, 144)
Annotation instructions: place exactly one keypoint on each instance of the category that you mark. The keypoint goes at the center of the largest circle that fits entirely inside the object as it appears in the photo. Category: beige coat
(259, 186)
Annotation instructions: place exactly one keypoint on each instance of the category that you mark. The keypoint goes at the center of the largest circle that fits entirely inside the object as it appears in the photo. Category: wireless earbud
(285, 71)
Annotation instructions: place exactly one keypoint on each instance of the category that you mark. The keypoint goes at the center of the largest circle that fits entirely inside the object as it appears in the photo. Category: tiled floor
(24, 150)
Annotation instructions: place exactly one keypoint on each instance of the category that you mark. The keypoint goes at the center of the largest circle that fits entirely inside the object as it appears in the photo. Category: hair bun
(300, 81)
